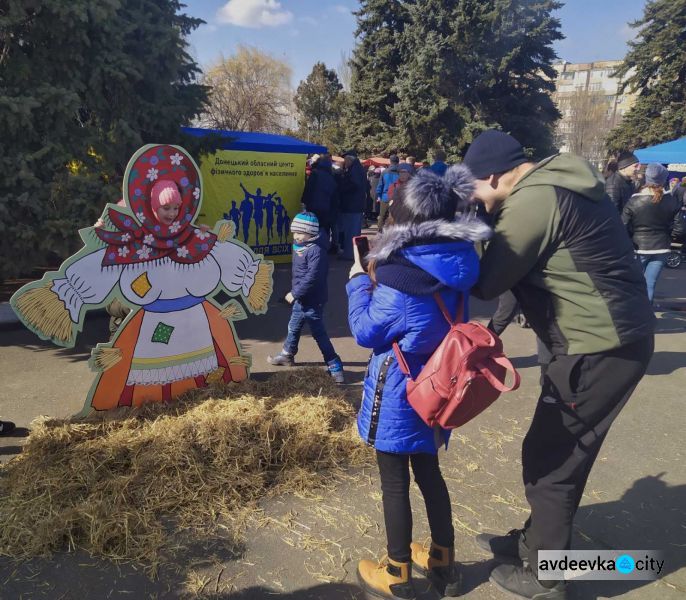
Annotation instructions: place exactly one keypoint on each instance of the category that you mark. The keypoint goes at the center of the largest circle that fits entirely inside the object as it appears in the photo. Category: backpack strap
(402, 363)
(503, 361)
(459, 318)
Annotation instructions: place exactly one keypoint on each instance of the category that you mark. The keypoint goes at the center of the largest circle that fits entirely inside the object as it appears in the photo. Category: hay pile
(121, 485)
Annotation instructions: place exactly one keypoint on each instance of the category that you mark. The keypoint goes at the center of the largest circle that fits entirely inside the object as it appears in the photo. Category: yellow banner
(259, 191)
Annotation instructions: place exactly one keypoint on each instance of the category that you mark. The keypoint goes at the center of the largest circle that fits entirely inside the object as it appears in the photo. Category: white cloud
(344, 10)
(254, 13)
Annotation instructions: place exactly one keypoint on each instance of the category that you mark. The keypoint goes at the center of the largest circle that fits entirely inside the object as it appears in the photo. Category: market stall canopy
(669, 152)
(258, 142)
(378, 161)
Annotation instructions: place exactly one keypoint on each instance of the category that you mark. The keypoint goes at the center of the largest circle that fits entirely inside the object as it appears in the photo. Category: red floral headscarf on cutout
(144, 238)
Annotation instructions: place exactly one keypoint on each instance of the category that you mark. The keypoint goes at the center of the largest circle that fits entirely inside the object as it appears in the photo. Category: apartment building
(574, 80)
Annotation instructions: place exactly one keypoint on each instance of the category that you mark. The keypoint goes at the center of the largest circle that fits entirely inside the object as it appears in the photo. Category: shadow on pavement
(649, 516)
(334, 591)
(665, 363)
(671, 322)
(95, 330)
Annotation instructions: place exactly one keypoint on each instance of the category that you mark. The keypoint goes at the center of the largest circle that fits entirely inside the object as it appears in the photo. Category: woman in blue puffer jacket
(422, 251)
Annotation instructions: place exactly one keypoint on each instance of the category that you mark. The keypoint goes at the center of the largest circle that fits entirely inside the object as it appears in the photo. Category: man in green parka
(560, 246)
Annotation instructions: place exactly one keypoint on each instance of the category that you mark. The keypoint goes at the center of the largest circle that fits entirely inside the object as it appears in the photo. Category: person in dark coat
(619, 176)
(373, 179)
(423, 250)
(321, 194)
(308, 295)
(353, 193)
(560, 246)
(649, 216)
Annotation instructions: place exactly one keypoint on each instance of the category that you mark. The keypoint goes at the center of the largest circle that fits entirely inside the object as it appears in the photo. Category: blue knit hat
(493, 152)
(305, 222)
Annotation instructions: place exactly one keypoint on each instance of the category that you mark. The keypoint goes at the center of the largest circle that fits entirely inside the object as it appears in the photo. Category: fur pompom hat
(428, 196)
(426, 208)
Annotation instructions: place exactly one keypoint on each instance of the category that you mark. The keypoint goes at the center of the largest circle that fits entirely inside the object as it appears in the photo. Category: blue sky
(306, 31)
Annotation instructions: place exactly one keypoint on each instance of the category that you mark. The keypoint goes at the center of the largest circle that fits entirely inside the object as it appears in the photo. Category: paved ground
(307, 548)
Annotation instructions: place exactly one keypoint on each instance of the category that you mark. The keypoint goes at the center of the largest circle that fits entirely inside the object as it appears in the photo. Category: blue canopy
(669, 152)
(258, 142)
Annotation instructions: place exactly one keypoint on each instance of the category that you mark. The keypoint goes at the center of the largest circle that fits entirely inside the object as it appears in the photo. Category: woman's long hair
(658, 192)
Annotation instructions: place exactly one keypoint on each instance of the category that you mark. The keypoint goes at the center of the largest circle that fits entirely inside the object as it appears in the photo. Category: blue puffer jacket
(414, 262)
(310, 272)
(387, 179)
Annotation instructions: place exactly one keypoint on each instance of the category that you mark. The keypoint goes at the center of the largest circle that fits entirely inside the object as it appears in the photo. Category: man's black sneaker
(7, 427)
(522, 582)
(511, 546)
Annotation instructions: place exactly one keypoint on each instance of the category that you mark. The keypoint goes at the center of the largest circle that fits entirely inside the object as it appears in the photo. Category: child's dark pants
(395, 487)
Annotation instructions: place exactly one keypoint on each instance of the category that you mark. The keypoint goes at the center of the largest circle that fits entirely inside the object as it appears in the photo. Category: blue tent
(258, 142)
(669, 152)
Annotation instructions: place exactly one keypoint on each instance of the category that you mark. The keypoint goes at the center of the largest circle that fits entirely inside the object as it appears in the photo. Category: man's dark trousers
(581, 397)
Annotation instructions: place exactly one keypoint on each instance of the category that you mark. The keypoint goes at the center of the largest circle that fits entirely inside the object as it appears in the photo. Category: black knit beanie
(626, 159)
(494, 152)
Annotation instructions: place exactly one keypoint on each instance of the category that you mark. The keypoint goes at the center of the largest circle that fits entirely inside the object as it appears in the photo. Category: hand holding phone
(361, 243)
(360, 251)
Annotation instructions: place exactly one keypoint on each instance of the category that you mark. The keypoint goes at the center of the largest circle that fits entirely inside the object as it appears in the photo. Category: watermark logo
(625, 564)
(581, 565)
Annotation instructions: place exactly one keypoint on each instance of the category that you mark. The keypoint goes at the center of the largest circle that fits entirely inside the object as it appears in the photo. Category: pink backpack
(464, 375)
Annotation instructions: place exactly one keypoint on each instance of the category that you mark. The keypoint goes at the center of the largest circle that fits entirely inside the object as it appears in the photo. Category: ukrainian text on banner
(259, 192)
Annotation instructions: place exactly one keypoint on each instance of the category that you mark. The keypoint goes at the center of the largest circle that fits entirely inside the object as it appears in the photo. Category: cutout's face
(167, 213)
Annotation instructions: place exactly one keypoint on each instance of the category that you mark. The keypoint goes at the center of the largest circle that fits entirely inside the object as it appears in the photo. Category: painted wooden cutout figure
(150, 255)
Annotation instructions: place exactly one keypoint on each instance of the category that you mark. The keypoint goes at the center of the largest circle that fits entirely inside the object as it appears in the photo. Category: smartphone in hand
(362, 244)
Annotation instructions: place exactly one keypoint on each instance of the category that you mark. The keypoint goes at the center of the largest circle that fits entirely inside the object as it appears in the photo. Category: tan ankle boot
(437, 563)
(387, 579)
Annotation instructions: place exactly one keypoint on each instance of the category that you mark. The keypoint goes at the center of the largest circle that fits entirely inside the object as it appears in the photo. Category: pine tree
(84, 84)
(655, 67)
(477, 64)
(318, 102)
(375, 64)
(438, 72)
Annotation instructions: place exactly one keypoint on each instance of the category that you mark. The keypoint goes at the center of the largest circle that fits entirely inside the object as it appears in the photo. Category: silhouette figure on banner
(253, 208)
(258, 214)
(269, 206)
(283, 222)
(234, 215)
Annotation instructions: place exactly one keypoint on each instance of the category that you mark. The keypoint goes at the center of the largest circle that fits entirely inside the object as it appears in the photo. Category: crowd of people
(576, 252)
(345, 198)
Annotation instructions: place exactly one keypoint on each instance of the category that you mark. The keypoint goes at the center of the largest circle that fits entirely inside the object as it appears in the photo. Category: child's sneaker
(335, 368)
(282, 359)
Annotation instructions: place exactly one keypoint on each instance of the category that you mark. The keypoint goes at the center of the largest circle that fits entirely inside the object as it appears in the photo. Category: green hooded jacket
(560, 246)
